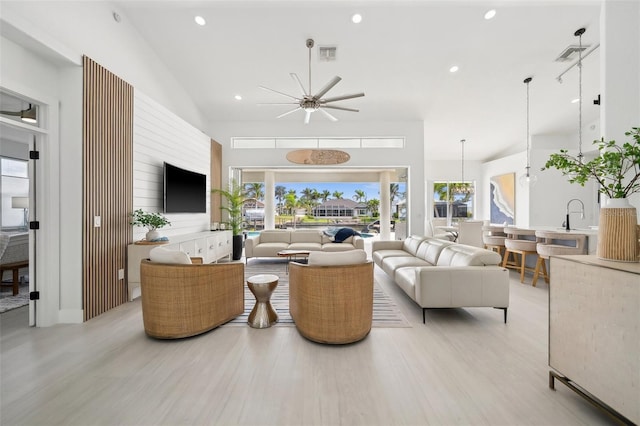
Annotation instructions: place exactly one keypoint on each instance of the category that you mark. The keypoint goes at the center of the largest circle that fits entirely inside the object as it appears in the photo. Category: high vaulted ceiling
(399, 55)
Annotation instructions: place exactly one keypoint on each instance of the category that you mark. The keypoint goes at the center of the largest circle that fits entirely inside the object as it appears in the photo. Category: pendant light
(463, 187)
(528, 179)
(578, 34)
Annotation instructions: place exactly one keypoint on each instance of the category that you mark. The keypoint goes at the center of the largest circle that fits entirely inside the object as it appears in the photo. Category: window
(14, 182)
(453, 198)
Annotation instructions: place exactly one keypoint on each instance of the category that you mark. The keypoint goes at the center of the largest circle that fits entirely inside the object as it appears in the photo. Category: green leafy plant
(235, 196)
(616, 169)
(151, 221)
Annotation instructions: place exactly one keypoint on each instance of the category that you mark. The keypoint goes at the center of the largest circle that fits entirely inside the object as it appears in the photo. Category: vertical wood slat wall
(107, 186)
(216, 180)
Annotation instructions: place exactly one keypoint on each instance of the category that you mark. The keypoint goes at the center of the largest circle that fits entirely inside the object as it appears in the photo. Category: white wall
(159, 136)
(116, 46)
(411, 156)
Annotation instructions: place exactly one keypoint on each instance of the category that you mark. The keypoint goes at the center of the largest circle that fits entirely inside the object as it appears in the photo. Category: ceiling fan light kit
(310, 103)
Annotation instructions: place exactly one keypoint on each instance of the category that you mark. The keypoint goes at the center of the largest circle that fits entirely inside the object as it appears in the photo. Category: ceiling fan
(27, 115)
(311, 103)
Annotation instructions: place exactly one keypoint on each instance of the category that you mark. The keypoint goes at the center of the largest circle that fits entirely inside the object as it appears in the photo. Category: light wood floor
(465, 366)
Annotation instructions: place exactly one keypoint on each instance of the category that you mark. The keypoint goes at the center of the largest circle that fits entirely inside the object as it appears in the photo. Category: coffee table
(294, 255)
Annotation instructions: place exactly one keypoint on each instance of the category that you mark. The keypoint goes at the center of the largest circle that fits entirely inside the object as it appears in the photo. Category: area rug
(9, 302)
(386, 313)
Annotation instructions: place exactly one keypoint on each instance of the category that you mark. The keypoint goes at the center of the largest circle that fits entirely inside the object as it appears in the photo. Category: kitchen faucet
(581, 211)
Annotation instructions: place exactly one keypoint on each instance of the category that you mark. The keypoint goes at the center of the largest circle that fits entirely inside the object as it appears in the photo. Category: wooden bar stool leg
(539, 263)
(523, 258)
(544, 271)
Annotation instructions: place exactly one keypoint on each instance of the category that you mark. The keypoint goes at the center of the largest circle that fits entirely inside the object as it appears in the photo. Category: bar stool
(522, 242)
(552, 243)
(493, 238)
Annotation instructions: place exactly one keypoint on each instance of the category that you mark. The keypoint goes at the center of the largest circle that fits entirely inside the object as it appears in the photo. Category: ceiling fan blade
(329, 116)
(294, 76)
(327, 87)
(288, 112)
(340, 108)
(277, 103)
(341, 98)
(307, 117)
(279, 93)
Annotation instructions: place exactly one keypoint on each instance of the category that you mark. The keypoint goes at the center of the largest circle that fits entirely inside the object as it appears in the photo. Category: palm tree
(254, 190)
(360, 196)
(280, 193)
(337, 195)
(373, 205)
(324, 195)
(290, 201)
(394, 192)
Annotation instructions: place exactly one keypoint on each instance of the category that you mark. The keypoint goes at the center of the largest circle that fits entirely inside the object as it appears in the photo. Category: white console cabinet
(210, 246)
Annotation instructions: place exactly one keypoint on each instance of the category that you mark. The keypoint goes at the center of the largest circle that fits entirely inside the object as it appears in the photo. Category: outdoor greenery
(149, 220)
(288, 200)
(616, 168)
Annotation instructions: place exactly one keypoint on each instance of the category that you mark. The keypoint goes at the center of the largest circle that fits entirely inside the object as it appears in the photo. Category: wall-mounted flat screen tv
(184, 191)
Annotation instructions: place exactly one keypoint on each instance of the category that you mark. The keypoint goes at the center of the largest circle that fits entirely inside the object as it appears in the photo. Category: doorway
(20, 135)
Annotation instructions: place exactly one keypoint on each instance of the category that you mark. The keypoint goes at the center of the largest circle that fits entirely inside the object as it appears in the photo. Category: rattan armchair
(332, 304)
(185, 300)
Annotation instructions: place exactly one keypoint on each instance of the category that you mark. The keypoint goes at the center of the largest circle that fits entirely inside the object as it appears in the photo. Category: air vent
(571, 53)
(327, 53)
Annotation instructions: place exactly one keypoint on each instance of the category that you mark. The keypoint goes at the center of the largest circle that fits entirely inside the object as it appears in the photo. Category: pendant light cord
(579, 34)
(527, 81)
(462, 141)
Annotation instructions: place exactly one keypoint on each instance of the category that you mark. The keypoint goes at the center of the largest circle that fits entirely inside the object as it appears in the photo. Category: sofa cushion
(304, 236)
(351, 257)
(269, 249)
(391, 264)
(275, 236)
(163, 255)
(305, 246)
(463, 255)
(337, 247)
(411, 244)
(431, 248)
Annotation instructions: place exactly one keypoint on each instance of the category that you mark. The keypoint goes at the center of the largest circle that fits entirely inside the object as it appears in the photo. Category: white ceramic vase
(152, 235)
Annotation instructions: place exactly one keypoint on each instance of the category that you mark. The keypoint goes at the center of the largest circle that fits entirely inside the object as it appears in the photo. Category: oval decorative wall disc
(318, 156)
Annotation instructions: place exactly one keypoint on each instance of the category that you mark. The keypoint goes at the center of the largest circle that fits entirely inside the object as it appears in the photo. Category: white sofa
(270, 242)
(441, 274)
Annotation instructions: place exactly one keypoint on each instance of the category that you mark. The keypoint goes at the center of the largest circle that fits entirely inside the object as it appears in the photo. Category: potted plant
(152, 221)
(235, 197)
(617, 171)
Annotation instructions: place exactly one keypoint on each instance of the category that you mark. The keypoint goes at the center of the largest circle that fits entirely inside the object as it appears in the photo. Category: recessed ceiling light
(490, 14)
(356, 18)
(238, 97)
(454, 68)
(575, 101)
(200, 20)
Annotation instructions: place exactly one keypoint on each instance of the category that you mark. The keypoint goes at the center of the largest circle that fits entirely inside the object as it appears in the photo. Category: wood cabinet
(594, 329)
(210, 246)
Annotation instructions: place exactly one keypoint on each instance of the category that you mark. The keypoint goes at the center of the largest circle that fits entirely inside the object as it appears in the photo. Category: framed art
(503, 198)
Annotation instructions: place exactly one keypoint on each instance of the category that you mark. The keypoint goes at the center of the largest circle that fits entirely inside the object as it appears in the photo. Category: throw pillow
(163, 255)
(343, 234)
(350, 257)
